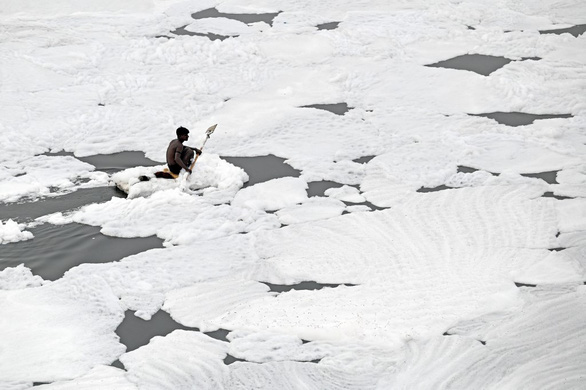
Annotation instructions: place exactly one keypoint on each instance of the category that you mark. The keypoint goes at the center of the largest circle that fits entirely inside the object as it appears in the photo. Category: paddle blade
(211, 129)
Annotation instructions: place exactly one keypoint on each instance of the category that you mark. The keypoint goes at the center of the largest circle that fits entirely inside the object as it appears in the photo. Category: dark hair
(181, 131)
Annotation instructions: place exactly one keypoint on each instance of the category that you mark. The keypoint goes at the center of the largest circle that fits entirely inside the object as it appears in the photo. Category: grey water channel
(57, 248)
(214, 13)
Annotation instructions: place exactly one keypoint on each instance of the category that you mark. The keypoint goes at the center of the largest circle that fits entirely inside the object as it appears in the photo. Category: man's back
(174, 146)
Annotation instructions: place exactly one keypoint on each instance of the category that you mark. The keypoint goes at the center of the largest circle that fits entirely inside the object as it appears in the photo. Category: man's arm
(196, 150)
(180, 162)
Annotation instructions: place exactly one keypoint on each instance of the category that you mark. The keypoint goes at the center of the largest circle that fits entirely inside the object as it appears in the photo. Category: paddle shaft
(197, 155)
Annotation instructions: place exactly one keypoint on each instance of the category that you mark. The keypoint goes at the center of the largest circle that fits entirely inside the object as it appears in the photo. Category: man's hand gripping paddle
(209, 132)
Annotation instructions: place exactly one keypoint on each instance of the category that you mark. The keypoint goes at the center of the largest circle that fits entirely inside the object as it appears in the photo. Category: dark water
(244, 18)
(336, 108)
(210, 36)
(549, 177)
(318, 188)
(135, 332)
(214, 13)
(576, 31)
(263, 168)
(115, 162)
(328, 26)
(57, 248)
(478, 63)
(309, 285)
(519, 118)
(27, 211)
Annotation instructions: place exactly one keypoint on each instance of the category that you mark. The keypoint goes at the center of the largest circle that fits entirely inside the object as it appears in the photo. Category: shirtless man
(179, 155)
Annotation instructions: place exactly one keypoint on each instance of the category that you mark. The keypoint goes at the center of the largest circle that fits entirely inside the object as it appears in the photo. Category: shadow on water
(263, 168)
(57, 248)
(519, 118)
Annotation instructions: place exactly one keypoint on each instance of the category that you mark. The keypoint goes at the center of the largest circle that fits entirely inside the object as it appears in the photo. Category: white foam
(18, 277)
(173, 215)
(219, 179)
(519, 349)
(11, 231)
(454, 264)
(179, 360)
(314, 209)
(59, 330)
(46, 176)
(103, 77)
(272, 195)
(99, 377)
(142, 281)
(345, 194)
(572, 215)
(220, 26)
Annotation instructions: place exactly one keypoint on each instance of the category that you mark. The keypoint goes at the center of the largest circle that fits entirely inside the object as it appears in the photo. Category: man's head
(182, 133)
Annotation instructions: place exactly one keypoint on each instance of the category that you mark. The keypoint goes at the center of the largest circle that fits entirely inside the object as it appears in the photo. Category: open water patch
(519, 285)
(549, 177)
(465, 169)
(318, 188)
(267, 18)
(55, 249)
(514, 119)
(363, 159)
(134, 332)
(211, 36)
(211, 13)
(328, 26)
(576, 30)
(477, 63)
(309, 285)
(335, 108)
(550, 194)
(26, 211)
(434, 189)
(229, 359)
(263, 168)
(111, 163)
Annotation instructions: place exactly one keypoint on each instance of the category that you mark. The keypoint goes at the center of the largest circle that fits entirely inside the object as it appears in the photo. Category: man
(179, 155)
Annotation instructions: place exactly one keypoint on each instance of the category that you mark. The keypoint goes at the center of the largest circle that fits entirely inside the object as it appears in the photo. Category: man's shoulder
(175, 144)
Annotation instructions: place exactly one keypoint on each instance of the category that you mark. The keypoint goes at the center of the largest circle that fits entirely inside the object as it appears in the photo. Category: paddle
(209, 132)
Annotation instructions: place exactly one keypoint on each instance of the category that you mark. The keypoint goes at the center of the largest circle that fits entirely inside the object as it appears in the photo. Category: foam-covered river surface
(394, 195)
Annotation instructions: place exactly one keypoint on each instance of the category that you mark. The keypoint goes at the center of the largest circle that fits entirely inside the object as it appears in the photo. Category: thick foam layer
(112, 76)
